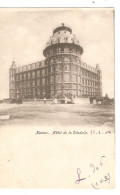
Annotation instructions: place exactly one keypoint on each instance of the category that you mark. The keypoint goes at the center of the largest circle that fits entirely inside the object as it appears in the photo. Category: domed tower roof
(62, 27)
(63, 34)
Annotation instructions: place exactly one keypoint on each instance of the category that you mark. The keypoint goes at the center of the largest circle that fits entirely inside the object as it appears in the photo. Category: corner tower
(63, 58)
(12, 72)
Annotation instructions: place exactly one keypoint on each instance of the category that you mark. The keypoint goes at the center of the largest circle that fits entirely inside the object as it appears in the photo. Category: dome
(62, 34)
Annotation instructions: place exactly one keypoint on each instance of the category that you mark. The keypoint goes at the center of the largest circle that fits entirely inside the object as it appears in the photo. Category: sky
(24, 33)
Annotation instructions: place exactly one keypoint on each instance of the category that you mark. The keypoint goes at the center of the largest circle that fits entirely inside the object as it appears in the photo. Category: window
(58, 67)
(33, 90)
(33, 74)
(66, 39)
(46, 71)
(74, 68)
(68, 86)
(66, 59)
(74, 78)
(12, 78)
(16, 77)
(62, 49)
(74, 86)
(43, 81)
(67, 77)
(43, 94)
(60, 59)
(51, 62)
(38, 82)
(20, 84)
(66, 67)
(79, 79)
(59, 86)
(24, 84)
(52, 68)
(42, 63)
(55, 51)
(24, 91)
(43, 72)
(66, 50)
(28, 75)
(52, 79)
(38, 73)
(33, 83)
(28, 83)
(38, 91)
(52, 87)
(74, 59)
(43, 87)
(58, 78)
(56, 60)
(28, 89)
(24, 76)
(59, 50)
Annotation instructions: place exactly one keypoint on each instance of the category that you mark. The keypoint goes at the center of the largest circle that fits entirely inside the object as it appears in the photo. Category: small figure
(66, 100)
(34, 100)
(91, 100)
(55, 100)
(72, 100)
(44, 100)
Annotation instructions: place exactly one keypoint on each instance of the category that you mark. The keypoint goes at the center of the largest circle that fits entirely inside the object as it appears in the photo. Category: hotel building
(60, 74)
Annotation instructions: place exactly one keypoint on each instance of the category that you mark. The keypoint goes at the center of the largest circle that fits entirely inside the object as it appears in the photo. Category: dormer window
(66, 39)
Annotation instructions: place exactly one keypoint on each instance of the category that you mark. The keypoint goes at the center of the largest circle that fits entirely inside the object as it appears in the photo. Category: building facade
(61, 74)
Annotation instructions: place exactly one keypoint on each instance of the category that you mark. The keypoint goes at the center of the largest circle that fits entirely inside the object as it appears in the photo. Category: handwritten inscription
(94, 168)
(79, 176)
(106, 178)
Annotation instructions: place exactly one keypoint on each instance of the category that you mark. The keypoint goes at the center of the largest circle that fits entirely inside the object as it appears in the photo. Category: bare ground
(60, 114)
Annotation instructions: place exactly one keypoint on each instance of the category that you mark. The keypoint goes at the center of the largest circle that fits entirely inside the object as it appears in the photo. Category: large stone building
(62, 73)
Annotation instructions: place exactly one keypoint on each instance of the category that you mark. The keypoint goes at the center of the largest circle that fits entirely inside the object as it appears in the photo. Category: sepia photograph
(57, 103)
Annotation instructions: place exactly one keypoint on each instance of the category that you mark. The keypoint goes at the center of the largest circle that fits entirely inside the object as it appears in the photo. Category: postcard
(57, 104)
